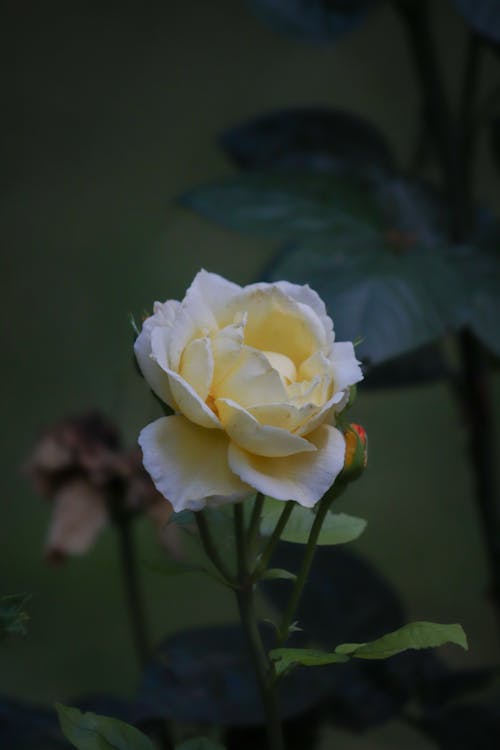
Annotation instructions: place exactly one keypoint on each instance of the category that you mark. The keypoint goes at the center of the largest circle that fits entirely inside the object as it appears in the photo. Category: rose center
(283, 365)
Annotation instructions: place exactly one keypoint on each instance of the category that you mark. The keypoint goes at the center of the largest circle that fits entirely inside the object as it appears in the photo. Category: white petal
(346, 369)
(197, 366)
(308, 296)
(188, 464)
(164, 313)
(193, 321)
(263, 440)
(252, 381)
(160, 322)
(215, 291)
(304, 477)
(184, 396)
(190, 404)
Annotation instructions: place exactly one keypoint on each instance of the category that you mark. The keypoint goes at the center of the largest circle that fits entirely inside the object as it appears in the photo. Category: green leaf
(338, 528)
(315, 20)
(397, 300)
(88, 731)
(286, 206)
(415, 635)
(311, 138)
(279, 573)
(13, 617)
(200, 743)
(284, 658)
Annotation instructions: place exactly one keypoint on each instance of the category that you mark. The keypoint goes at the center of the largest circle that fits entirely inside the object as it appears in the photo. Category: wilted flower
(80, 466)
(255, 379)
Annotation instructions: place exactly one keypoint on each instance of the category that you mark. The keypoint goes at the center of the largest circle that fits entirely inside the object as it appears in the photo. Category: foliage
(338, 528)
(375, 245)
(13, 617)
(415, 635)
(89, 731)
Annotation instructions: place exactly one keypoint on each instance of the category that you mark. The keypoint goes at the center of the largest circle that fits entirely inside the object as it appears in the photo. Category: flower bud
(356, 453)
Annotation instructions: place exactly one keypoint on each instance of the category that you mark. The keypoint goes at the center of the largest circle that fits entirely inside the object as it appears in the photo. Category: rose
(255, 379)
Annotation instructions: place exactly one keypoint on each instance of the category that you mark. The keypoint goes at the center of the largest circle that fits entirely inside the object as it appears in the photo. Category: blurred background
(110, 112)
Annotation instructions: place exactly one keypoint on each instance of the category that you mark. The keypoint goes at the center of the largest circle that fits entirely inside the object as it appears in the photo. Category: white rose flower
(255, 379)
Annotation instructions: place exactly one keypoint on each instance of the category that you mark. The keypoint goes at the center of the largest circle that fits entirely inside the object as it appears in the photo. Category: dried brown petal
(79, 514)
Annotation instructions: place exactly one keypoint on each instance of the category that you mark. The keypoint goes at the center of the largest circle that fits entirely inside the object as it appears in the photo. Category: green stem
(303, 574)
(254, 526)
(264, 670)
(273, 540)
(241, 542)
(210, 548)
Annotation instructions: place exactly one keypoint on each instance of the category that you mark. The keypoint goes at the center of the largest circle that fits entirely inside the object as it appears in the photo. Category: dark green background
(110, 113)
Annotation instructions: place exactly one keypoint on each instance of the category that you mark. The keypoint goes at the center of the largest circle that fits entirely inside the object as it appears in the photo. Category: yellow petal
(263, 440)
(189, 464)
(286, 416)
(226, 347)
(277, 323)
(304, 477)
(252, 381)
(197, 366)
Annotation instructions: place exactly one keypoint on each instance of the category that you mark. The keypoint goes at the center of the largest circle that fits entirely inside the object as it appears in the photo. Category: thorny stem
(305, 567)
(209, 546)
(273, 540)
(264, 670)
(254, 526)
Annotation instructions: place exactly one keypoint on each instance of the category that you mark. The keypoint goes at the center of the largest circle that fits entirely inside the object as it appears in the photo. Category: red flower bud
(356, 453)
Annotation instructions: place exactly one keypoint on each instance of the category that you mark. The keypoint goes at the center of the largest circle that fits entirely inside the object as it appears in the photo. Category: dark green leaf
(286, 206)
(199, 743)
(88, 731)
(482, 15)
(338, 528)
(481, 272)
(396, 301)
(316, 20)
(284, 658)
(420, 367)
(205, 676)
(279, 573)
(13, 617)
(415, 635)
(309, 138)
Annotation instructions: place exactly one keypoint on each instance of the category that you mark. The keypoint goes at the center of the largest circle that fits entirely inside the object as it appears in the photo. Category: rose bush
(255, 379)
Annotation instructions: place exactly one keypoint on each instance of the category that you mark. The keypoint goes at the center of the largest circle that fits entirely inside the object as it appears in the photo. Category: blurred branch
(455, 140)
(132, 589)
